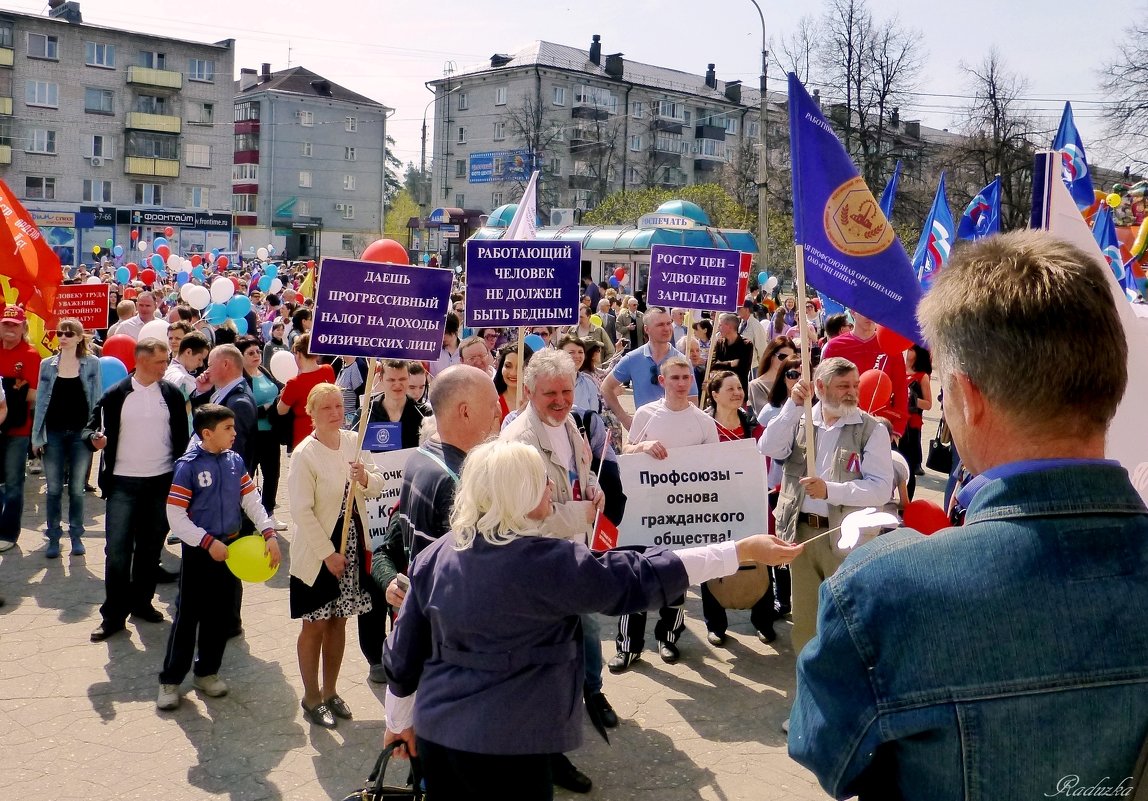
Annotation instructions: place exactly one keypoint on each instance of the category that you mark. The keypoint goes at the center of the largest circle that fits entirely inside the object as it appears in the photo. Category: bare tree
(798, 47)
(596, 147)
(534, 129)
(1125, 82)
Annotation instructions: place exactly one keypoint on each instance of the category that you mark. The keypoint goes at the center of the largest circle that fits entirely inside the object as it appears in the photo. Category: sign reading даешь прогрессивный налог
(522, 283)
(388, 311)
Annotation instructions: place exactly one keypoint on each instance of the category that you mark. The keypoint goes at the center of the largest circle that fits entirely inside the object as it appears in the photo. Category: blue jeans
(66, 453)
(592, 653)
(15, 453)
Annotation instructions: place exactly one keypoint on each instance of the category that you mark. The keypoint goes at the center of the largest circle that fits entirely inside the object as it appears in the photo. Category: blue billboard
(500, 165)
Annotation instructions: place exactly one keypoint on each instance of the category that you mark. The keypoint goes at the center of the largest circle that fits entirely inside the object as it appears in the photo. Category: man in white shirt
(749, 328)
(145, 313)
(671, 422)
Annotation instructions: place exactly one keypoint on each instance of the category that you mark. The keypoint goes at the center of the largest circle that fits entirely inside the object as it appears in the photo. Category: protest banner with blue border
(694, 278)
(387, 311)
(382, 437)
(522, 283)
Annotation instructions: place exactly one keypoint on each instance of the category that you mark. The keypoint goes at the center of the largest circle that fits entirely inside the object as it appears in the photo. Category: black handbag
(940, 456)
(377, 790)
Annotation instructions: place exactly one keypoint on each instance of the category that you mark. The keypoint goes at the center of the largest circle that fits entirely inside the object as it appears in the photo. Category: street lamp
(762, 200)
(424, 184)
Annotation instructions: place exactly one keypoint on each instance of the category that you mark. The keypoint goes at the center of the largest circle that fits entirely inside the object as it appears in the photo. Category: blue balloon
(123, 275)
(534, 342)
(197, 273)
(271, 270)
(157, 262)
(265, 283)
(240, 325)
(215, 252)
(614, 282)
(238, 306)
(181, 278)
(118, 250)
(215, 313)
(158, 243)
(112, 370)
(762, 277)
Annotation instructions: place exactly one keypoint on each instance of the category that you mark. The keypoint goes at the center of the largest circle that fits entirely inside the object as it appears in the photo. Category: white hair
(501, 483)
(549, 363)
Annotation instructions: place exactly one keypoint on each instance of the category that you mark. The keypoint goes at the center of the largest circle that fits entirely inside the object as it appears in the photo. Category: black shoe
(668, 652)
(767, 634)
(89, 488)
(320, 715)
(105, 630)
(149, 614)
(783, 610)
(568, 777)
(715, 639)
(621, 661)
(165, 576)
(601, 707)
(235, 632)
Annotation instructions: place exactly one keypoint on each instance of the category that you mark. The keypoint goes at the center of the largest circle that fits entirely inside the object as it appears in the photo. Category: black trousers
(202, 617)
(632, 628)
(373, 625)
(909, 446)
(267, 456)
(761, 614)
(136, 525)
(453, 775)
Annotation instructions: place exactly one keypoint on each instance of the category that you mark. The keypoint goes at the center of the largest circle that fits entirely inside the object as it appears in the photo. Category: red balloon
(386, 251)
(164, 251)
(130, 293)
(311, 265)
(876, 391)
(890, 341)
(135, 234)
(620, 273)
(123, 348)
(196, 260)
(235, 283)
(133, 269)
(148, 276)
(924, 516)
(221, 262)
(169, 231)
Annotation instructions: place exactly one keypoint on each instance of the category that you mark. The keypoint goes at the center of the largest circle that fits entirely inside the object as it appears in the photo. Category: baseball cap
(12, 314)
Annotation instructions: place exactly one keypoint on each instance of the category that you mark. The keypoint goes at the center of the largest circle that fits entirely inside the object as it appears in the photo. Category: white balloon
(142, 246)
(187, 291)
(174, 262)
(93, 279)
(283, 366)
(222, 289)
(262, 254)
(276, 286)
(771, 283)
(198, 297)
(156, 328)
(185, 267)
(853, 523)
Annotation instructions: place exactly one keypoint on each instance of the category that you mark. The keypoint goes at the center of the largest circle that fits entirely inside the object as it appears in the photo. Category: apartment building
(105, 131)
(309, 164)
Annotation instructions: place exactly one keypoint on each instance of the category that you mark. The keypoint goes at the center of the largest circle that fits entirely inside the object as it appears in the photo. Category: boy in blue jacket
(209, 488)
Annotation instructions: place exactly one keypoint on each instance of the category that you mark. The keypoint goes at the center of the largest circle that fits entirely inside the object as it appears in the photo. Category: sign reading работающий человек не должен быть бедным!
(522, 283)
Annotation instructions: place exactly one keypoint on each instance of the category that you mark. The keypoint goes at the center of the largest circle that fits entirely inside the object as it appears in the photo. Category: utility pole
(424, 182)
(762, 193)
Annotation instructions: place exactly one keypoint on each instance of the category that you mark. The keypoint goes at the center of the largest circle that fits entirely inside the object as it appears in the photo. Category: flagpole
(521, 371)
(806, 366)
(353, 486)
(709, 362)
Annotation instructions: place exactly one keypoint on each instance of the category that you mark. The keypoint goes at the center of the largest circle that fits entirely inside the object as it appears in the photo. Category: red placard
(743, 277)
(87, 303)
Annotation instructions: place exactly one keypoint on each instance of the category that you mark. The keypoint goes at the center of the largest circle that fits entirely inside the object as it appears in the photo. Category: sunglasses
(793, 375)
(62, 333)
(782, 356)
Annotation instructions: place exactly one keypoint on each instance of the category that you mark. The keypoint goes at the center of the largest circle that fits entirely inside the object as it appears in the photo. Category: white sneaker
(6, 545)
(36, 466)
(785, 725)
(212, 685)
(168, 697)
(278, 524)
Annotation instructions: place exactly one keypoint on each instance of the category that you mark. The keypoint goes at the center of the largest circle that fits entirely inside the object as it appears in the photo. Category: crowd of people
(513, 464)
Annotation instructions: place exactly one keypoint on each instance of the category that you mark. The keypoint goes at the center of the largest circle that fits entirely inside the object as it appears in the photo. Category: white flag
(525, 221)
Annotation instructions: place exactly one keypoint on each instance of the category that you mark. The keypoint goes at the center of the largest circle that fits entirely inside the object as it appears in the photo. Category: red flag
(605, 535)
(30, 265)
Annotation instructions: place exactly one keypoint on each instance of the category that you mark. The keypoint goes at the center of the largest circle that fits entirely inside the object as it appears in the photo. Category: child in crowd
(208, 489)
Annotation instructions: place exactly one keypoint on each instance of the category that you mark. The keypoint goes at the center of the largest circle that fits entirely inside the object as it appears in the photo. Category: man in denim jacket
(1007, 659)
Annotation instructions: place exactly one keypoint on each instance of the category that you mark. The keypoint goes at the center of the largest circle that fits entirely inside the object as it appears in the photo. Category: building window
(151, 104)
(201, 113)
(459, 200)
(149, 194)
(351, 124)
(495, 199)
(463, 101)
(43, 46)
(637, 109)
(348, 154)
(306, 118)
(153, 60)
(197, 155)
(151, 146)
(560, 95)
(348, 212)
(97, 54)
(636, 144)
(500, 96)
(671, 110)
(556, 166)
(307, 150)
(196, 197)
(42, 93)
(460, 168)
(302, 207)
(97, 191)
(98, 146)
(5, 33)
(349, 183)
(348, 243)
(39, 188)
(246, 142)
(496, 166)
(581, 198)
(246, 111)
(499, 131)
(244, 204)
(462, 134)
(5, 131)
(632, 175)
(201, 69)
(245, 173)
(596, 97)
(752, 129)
(305, 178)
(41, 141)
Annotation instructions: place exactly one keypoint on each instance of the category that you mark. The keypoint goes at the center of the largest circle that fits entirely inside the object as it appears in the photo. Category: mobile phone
(404, 582)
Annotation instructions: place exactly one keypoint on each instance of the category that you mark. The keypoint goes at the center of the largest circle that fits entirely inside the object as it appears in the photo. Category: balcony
(6, 106)
(6, 54)
(159, 168)
(5, 154)
(668, 125)
(710, 151)
(147, 76)
(582, 182)
(589, 112)
(247, 127)
(163, 123)
(714, 132)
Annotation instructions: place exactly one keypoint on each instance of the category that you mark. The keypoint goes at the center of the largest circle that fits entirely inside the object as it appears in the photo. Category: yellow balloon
(95, 250)
(248, 560)
(1113, 201)
(596, 319)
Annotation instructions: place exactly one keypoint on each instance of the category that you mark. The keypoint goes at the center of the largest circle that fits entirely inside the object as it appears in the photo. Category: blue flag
(1074, 163)
(936, 240)
(849, 249)
(1131, 285)
(890, 193)
(1104, 231)
(982, 216)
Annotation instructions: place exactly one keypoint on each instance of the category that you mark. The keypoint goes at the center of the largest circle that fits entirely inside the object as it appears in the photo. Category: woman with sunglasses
(70, 385)
(777, 351)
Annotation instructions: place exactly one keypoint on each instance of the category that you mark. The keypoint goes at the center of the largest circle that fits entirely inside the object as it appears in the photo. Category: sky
(387, 49)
